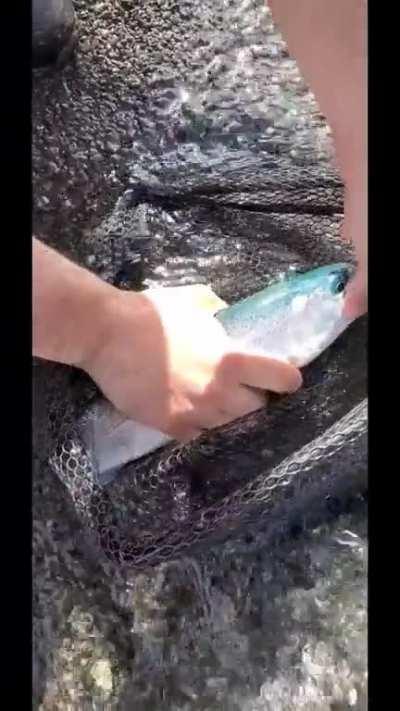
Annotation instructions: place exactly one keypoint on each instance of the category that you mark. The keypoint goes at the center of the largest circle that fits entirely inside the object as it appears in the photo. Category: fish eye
(339, 286)
(339, 283)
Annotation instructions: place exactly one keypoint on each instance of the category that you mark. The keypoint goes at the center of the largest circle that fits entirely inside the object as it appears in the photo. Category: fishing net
(229, 183)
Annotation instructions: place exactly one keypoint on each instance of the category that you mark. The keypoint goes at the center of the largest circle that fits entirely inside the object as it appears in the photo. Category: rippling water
(227, 181)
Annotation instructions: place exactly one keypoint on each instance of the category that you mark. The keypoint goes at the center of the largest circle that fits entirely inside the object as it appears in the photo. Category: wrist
(69, 327)
(351, 152)
(105, 319)
(86, 311)
(75, 313)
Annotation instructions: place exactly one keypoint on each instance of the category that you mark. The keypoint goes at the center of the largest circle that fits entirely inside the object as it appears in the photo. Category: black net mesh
(227, 181)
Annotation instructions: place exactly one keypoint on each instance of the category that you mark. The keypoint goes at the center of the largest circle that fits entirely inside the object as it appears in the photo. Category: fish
(292, 320)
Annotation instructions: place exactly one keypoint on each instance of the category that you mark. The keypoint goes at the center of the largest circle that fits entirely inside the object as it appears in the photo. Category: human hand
(329, 41)
(355, 230)
(353, 164)
(162, 359)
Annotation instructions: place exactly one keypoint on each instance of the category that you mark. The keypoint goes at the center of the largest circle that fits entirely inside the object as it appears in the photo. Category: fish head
(296, 319)
(328, 281)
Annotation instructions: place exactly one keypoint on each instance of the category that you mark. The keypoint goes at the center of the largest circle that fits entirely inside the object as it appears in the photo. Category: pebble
(102, 675)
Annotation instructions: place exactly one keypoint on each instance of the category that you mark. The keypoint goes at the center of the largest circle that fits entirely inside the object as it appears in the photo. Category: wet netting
(230, 184)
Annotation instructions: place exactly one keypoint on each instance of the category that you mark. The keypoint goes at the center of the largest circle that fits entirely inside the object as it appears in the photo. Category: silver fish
(293, 320)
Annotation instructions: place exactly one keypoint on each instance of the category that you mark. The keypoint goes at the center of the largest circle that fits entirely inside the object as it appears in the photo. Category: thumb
(356, 301)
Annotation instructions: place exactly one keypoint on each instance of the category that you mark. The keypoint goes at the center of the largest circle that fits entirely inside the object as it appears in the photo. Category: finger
(215, 419)
(242, 401)
(261, 372)
(185, 433)
(210, 418)
(356, 300)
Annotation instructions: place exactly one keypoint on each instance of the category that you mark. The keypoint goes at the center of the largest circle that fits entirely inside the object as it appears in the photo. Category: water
(226, 181)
